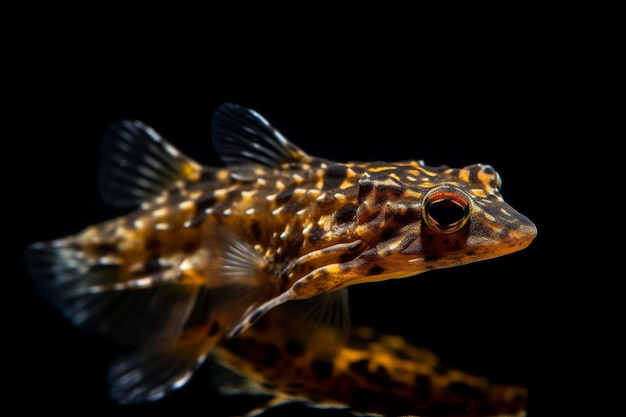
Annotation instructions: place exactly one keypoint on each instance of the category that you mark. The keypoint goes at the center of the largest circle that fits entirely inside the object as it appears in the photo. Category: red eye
(446, 208)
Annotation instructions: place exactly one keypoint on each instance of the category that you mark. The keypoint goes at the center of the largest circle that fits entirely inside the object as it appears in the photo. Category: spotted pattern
(373, 374)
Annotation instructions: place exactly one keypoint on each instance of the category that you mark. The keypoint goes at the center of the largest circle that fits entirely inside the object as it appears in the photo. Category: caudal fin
(90, 294)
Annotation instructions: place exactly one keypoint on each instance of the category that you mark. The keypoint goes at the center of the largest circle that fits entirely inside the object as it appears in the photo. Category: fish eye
(446, 209)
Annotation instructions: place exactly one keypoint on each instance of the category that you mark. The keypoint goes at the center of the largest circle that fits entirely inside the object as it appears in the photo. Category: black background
(474, 103)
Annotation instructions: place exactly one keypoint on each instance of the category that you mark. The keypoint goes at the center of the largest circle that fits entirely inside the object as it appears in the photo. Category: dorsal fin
(243, 136)
(138, 164)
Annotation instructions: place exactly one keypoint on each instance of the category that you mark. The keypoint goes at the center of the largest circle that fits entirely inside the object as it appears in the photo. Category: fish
(206, 253)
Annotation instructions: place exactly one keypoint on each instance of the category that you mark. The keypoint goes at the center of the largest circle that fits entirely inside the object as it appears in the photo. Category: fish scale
(278, 236)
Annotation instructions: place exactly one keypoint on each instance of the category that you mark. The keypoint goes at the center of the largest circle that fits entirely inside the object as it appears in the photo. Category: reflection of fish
(211, 250)
(373, 373)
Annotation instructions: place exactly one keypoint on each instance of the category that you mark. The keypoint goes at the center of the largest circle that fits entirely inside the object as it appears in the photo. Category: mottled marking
(375, 270)
(214, 329)
(152, 244)
(294, 348)
(105, 249)
(316, 233)
(345, 214)
(255, 228)
(360, 367)
(422, 386)
(191, 246)
(284, 196)
(152, 264)
(322, 369)
(334, 176)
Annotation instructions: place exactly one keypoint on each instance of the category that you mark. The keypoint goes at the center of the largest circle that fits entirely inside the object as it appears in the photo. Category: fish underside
(247, 267)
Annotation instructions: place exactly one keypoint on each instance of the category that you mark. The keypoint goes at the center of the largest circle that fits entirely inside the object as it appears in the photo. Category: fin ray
(86, 294)
(321, 323)
(149, 375)
(232, 269)
(242, 136)
(138, 164)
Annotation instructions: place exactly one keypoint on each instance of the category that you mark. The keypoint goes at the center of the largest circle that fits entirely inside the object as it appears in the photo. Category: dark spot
(259, 353)
(334, 176)
(431, 257)
(366, 186)
(316, 234)
(204, 202)
(271, 355)
(345, 214)
(360, 367)
(295, 385)
(255, 228)
(102, 249)
(423, 387)
(295, 243)
(152, 244)
(294, 349)
(466, 391)
(387, 234)
(401, 354)
(347, 257)
(382, 373)
(473, 173)
(322, 369)
(215, 328)
(152, 264)
(283, 197)
(375, 270)
(470, 253)
(191, 246)
(292, 206)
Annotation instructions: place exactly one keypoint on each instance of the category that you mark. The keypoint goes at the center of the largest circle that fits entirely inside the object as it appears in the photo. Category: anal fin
(149, 375)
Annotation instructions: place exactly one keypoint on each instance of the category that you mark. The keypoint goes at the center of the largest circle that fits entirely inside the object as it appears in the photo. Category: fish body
(206, 252)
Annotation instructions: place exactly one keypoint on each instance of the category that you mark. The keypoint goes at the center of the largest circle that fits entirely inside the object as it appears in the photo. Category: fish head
(415, 218)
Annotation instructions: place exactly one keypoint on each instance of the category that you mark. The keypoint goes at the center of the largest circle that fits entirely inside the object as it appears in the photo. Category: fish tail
(57, 269)
(96, 291)
(170, 326)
